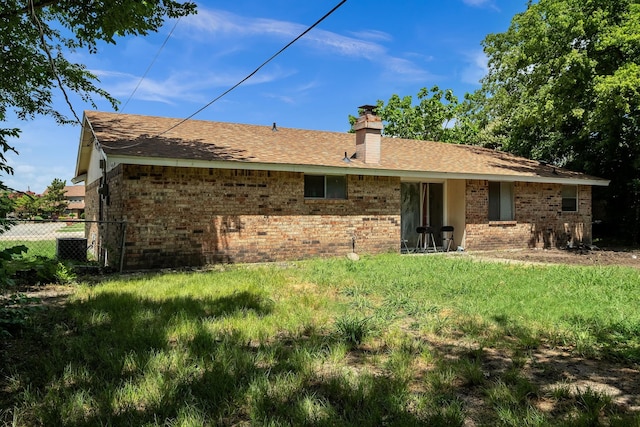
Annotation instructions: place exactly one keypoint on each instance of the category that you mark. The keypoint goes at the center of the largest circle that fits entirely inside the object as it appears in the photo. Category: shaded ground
(560, 367)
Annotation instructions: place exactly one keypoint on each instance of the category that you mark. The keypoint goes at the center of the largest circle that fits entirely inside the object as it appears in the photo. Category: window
(501, 201)
(569, 198)
(325, 186)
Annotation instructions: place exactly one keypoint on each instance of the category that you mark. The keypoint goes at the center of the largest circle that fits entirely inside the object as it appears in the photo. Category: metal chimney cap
(368, 109)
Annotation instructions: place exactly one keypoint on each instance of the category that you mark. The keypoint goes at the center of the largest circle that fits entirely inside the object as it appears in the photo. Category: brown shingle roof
(70, 191)
(142, 136)
(74, 191)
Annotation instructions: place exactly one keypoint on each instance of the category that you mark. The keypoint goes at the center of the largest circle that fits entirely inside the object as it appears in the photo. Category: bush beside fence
(75, 240)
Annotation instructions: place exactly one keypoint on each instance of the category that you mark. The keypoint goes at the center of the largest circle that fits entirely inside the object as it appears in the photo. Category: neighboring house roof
(70, 191)
(74, 191)
(136, 139)
(74, 194)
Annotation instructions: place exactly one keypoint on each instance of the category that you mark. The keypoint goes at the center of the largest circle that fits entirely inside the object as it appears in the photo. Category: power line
(256, 70)
(150, 65)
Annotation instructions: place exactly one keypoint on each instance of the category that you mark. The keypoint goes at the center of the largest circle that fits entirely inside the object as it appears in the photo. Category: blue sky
(365, 51)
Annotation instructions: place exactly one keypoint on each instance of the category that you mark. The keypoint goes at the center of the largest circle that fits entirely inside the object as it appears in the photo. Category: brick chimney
(368, 130)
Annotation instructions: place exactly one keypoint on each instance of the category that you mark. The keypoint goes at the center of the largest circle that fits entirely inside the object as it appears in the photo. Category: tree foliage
(564, 86)
(438, 116)
(27, 206)
(35, 36)
(53, 203)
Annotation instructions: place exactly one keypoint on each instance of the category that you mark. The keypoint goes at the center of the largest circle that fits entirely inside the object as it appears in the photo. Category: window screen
(501, 201)
(569, 198)
(336, 187)
(325, 187)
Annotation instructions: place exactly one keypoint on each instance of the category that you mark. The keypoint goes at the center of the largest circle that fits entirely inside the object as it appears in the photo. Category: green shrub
(353, 329)
(53, 271)
(15, 311)
(6, 271)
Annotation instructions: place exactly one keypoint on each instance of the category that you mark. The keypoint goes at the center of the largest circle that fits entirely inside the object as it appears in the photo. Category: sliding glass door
(422, 204)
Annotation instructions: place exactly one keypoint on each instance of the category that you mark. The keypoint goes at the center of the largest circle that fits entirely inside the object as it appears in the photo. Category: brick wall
(91, 200)
(102, 213)
(539, 220)
(187, 216)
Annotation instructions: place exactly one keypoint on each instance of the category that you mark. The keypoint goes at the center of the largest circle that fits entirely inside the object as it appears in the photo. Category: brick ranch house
(204, 192)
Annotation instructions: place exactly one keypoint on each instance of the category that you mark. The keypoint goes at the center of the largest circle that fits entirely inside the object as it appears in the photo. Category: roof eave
(79, 178)
(349, 169)
(84, 148)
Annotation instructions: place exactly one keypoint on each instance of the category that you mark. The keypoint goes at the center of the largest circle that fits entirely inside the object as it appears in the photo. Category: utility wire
(256, 70)
(150, 65)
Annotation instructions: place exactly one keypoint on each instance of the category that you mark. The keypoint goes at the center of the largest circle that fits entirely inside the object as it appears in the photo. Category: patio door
(421, 204)
(410, 195)
(433, 207)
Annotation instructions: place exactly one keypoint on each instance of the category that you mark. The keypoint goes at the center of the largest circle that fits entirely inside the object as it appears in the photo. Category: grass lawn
(387, 340)
(73, 227)
(45, 248)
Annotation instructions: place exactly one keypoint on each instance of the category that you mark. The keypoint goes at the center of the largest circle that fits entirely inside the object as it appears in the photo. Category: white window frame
(564, 197)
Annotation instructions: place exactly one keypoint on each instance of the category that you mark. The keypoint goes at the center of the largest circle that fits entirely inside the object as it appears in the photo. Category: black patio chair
(425, 238)
(447, 237)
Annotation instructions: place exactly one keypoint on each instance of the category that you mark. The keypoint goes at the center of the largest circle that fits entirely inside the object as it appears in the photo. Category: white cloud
(372, 35)
(481, 3)
(406, 69)
(293, 94)
(363, 45)
(35, 177)
(221, 23)
(477, 67)
(306, 86)
(179, 86)
(282, 98)
(46, 151)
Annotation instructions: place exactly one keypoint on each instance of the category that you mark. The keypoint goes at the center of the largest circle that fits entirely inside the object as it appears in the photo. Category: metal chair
(447, 237)
(404, 249)
(425, 238)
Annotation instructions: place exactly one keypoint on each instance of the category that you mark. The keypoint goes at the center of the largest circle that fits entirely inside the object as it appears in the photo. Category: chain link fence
(98, 243)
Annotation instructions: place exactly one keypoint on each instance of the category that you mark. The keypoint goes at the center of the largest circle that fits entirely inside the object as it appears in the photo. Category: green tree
(7, 206)
(27, 205)
(564, 86)
(35, 36)
(438, 116)
(53, 202)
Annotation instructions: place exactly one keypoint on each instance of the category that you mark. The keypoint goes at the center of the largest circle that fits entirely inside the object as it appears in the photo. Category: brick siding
(104, 235)
(187, 216)
(539, 220)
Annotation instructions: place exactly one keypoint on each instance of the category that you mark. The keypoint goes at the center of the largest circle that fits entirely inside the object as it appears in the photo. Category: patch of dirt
(581, 256)
(548, 368)
(556, 367)
(47, 294)
(553, 367)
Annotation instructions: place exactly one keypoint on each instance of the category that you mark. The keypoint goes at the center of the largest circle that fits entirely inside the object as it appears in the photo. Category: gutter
(352, 169)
